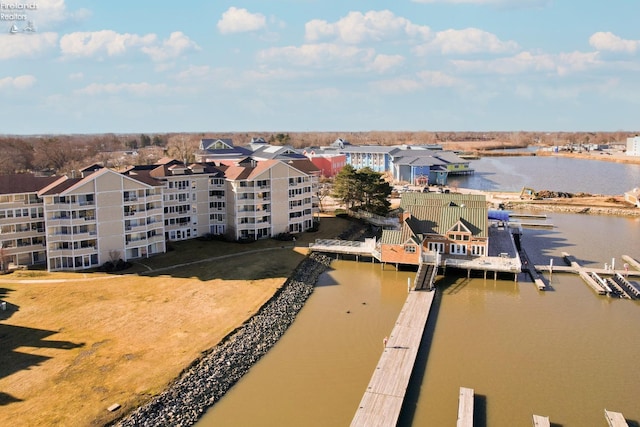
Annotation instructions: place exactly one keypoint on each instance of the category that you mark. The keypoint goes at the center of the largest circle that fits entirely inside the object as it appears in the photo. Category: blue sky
(306, 65)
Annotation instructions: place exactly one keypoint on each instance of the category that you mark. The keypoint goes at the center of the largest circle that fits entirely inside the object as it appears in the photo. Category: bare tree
(182, 147)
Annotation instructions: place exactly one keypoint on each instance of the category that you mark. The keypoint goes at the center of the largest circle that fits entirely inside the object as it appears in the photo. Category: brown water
(567, 353)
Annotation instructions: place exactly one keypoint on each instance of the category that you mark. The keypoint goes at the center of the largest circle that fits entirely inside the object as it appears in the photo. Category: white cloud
(87, 44)
(236, 20)
(173, 47)
(606, 41)
(421, 81)
(76, 76)
(524, 62)
(437, 79)
(383, 63)
(358, 27)
(320, 55)
(26, 45)
(467, 41)
(51, 12)
(139, 89)
(21, 82)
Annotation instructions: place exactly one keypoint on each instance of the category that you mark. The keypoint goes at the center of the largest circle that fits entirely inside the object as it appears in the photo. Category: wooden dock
(615, 419)
(347, 247)
(384, 396)
(465, 407)
(529, 268)
(540, 421)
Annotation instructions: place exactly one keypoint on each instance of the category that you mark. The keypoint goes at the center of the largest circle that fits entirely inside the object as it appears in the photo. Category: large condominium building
(270, 197)
(22, 223)
(75, 223)
(99, 217)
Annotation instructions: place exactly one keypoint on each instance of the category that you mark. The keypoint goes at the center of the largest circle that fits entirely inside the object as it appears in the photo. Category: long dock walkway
(465, 407)
(384, 396)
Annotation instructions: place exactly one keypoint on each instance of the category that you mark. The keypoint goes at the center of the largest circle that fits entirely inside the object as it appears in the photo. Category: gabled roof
(249, 168)
(432, 213)
(156, 174)
(64, 186)
(417, 161)
(24, 183)
(267, 151)
(304, 165)
(368, 149)
(216, 144)
(246, 171)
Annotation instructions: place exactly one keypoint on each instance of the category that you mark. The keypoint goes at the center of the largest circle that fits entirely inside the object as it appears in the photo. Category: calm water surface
(566, 353)
(550, 173)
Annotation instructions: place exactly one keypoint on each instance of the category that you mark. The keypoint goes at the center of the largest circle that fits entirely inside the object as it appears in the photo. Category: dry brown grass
(70, 349)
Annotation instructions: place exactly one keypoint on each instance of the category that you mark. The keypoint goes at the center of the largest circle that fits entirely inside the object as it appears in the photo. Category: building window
(456, 249)
(410, 249)
(437, 247)
(477, 250)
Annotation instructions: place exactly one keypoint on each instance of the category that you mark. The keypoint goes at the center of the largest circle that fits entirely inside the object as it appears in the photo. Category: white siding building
(633, 146)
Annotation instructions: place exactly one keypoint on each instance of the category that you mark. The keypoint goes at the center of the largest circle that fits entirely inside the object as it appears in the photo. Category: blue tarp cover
(499, 215)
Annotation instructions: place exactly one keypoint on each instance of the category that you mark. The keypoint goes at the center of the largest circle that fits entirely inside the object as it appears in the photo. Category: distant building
(633, 146)
(416, 164)
(328, 163)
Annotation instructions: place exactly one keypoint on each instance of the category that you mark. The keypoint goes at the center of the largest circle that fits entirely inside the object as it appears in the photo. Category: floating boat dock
(616, 284)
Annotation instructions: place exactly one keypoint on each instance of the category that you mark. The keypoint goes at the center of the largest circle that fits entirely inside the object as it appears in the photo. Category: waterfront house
(453, 225)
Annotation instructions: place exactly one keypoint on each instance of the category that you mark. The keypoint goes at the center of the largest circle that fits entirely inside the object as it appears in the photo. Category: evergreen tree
(344, 186)
(363, 189)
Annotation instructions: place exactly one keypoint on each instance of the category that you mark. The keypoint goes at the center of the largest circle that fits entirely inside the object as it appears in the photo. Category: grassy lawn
(73, 344)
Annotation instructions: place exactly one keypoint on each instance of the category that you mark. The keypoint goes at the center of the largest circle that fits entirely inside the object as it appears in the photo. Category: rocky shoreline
(209, 377)
(592, 210)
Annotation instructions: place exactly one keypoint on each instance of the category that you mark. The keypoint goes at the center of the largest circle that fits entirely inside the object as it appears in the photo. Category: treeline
(64, 153)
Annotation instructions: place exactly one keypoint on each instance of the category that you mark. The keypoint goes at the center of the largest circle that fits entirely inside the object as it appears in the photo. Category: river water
(549, 173)
(567, 353)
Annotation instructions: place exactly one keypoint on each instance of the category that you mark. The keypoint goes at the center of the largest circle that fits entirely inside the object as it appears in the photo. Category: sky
(158, 66)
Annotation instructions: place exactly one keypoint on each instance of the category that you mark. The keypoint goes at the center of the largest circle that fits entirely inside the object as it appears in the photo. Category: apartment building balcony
(61, 237)
(137, 241)
(245, 213)
(72, 252)
(85, 235)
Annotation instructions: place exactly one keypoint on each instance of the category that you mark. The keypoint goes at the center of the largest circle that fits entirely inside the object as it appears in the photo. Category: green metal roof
(433, 213)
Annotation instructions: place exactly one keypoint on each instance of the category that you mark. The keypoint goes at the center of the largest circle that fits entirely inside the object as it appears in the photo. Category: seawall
(209, 377)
